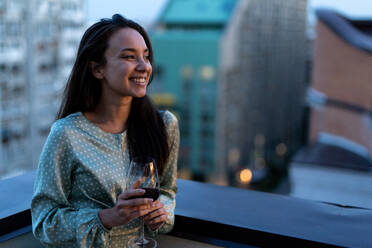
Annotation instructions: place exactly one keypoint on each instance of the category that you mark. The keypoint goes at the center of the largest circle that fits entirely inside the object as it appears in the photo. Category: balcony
(209, 216)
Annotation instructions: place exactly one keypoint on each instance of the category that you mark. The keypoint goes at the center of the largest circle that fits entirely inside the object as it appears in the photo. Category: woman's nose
(143, 65)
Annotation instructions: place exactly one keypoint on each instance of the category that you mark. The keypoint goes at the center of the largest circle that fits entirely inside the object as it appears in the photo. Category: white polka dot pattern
(82, 169)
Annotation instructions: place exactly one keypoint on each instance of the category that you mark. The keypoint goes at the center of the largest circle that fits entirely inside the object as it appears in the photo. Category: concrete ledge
(230, 217)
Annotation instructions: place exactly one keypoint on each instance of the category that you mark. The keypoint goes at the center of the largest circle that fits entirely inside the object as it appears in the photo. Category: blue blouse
(83, 169)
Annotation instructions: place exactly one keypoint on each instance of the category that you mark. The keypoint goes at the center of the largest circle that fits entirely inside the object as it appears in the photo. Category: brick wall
(342, 72)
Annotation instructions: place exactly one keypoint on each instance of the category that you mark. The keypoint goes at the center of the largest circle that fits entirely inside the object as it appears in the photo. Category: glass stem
(142, 231)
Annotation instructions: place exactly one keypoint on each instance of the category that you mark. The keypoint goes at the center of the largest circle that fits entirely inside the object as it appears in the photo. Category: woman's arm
(55, 222)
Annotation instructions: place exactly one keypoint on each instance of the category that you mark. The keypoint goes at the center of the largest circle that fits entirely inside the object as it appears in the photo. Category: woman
(105, 119)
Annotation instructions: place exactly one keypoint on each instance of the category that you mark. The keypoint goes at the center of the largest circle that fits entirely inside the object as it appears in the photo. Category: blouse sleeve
(55, 222)
(168, 181)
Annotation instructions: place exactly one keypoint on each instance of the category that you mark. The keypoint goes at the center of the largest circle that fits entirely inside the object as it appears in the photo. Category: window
(2, 6)
(13, 28)
(16, 69)
(2, 28)
(3, 67)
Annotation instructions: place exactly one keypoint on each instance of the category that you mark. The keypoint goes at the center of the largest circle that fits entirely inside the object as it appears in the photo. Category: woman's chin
(140, 94)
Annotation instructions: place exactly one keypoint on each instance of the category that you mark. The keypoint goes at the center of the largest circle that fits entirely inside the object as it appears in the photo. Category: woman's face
(127, 70)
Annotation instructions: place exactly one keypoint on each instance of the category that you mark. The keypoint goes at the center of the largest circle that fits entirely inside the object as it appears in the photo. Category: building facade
(340, 93)
(38, 43)
(261, 90)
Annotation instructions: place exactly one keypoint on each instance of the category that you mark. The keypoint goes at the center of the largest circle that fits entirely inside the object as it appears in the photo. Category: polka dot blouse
(82, 169)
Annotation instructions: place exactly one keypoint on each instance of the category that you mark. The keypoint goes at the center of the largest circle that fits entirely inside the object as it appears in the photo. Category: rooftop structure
(340, 95)
(197, 13)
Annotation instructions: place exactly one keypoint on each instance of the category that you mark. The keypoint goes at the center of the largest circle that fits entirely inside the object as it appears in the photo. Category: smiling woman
(127, 70)
(81, 198)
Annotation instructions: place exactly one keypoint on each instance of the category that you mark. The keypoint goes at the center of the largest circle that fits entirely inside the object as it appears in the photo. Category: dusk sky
(145, 11)
(142, 11)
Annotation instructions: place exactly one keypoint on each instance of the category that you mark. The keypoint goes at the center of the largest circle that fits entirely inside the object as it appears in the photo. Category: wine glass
(144, 171)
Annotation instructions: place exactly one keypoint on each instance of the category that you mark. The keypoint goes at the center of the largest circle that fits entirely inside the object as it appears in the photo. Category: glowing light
(207, 72)
(245, 176)
(281, 149)
(164, 99)
(184, 174)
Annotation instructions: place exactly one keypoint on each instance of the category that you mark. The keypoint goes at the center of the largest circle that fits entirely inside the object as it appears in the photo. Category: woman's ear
(96, 70)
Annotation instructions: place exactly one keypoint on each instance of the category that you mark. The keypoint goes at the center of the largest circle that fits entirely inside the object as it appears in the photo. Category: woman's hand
(157, 215)
(125, 210)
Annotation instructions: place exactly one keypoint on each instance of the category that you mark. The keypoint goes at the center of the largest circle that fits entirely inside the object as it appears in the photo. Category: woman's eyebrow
(132, 50)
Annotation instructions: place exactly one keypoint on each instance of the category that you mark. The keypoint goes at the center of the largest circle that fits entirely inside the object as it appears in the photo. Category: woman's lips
(139, 80)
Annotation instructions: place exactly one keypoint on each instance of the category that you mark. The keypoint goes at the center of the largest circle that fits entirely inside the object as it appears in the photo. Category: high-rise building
(38, 43)
(261, 90)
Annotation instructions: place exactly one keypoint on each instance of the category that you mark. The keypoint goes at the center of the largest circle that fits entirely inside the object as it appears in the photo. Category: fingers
(131, 208)
(133, 212)
(131, 193)
(138, 213)
(155, 226)
(128, 201)
(128, 207)
(154, 207)
(153, 215)
(157, 216)
(136, 204)
(159, 220)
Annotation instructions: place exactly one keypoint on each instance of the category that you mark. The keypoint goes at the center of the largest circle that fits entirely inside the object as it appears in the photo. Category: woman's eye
(128, 57)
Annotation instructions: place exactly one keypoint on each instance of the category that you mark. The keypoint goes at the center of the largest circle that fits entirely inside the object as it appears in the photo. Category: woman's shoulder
(63, 125)
(169, 118)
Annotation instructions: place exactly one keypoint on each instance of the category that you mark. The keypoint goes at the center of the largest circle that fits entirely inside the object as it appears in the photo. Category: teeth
(139, 80)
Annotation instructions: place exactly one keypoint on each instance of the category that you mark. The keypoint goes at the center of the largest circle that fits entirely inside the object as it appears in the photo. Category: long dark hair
(146, 130)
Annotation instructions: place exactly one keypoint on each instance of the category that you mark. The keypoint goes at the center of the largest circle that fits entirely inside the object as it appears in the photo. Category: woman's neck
(111, 116)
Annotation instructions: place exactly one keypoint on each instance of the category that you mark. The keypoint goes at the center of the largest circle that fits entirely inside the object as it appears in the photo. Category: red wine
(150, 193)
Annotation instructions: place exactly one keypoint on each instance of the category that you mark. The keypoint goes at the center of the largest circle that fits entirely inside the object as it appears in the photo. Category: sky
(146, 11)
(357, 8)
(141, 11)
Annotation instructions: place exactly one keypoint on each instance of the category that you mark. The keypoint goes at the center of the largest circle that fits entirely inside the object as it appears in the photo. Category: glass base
(147, 243)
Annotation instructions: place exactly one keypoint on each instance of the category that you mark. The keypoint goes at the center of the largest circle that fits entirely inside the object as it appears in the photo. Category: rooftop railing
(220, 216)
